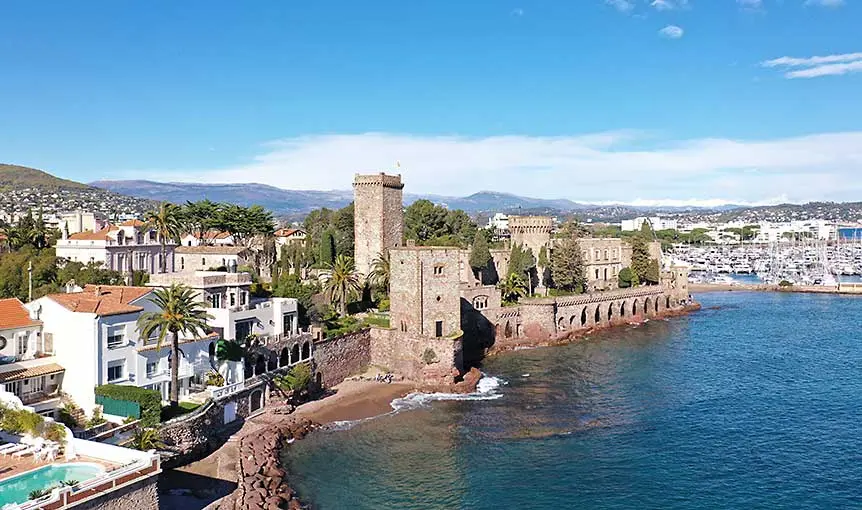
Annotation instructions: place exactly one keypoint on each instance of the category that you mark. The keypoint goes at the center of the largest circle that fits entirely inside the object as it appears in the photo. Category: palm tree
(380, 272)
(342, 282)
(513, 288)
(179, 312)
(167, 222)
(146, 439)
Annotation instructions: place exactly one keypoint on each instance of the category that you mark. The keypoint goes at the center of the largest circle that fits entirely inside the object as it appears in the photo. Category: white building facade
(655, 222)
(127, 247)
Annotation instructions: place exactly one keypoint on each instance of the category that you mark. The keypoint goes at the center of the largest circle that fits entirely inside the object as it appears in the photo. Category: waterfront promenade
(844, 288)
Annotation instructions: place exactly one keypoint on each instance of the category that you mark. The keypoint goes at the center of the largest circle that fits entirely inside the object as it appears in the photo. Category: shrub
(66, 418)
(40, 493)
(296, 380)
(150, 401)
(20, 421)
(785, 283)
(55, 432)
(214, 379)
(384, 305)
(146, 439)
(97, 418)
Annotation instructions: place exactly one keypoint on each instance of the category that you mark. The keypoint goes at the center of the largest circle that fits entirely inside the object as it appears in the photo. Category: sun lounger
(9, 446)
(30, 450)
(17, 448)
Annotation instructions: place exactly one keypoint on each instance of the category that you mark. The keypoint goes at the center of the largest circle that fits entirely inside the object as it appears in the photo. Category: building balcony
(39, 396)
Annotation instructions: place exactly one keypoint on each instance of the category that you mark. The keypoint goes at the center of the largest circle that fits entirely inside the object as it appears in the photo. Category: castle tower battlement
(378, 220)
(532, 232)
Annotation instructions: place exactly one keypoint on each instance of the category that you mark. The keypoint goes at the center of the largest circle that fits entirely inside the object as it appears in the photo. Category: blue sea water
(753, 402)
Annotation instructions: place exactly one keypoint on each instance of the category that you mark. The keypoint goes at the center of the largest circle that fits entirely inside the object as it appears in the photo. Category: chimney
(97, 290)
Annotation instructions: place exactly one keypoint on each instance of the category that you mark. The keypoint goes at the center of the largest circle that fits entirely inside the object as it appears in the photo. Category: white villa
(236, 314)
(189, 259)
(95, 334)
(126, 247)
(28, 371)
(211, 238)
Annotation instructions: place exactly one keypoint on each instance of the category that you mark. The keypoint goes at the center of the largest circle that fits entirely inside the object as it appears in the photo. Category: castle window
(438, 269)
(438, 329)
(606, 254)
(480, 302)
(403, 326)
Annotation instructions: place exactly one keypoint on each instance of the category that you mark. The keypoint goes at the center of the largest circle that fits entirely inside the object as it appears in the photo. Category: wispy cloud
(668, 5)
(517, 12)
(750, 5)
(817, 66)
(609, 166)
(625, 6)
(825, 3)
(671, 32)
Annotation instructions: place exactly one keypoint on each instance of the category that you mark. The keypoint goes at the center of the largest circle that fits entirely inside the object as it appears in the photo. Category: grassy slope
(23, 177)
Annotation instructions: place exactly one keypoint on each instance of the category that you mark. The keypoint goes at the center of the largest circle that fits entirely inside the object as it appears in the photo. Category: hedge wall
(149, 400)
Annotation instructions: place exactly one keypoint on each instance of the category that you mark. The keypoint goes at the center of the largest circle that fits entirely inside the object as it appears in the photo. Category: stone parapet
(381, 179)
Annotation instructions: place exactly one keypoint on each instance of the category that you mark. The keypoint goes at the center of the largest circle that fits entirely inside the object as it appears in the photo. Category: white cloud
(817, 66)
(612, 166)
(750, 5)
(625, 6)
(671, 32)
(517, 12)
(668, 5)
(824, 3)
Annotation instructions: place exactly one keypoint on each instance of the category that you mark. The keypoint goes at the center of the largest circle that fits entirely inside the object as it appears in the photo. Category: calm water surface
(754, 402)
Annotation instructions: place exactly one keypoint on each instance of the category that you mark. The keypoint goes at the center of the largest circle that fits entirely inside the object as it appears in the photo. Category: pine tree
(326, 255)
(480, 255)
(640, 258)
(567, 266)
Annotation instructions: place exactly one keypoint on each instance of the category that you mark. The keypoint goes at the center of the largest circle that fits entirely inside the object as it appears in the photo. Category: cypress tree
(480, 255)
(327, 248)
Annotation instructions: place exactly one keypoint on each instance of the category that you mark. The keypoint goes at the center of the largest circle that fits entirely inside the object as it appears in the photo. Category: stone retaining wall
(138, 496)
(338, 358)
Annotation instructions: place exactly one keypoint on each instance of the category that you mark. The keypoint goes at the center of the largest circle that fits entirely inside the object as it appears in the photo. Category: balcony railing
(38, 396)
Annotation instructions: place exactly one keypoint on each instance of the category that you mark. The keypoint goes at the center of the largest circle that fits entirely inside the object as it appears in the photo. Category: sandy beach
(354, 400)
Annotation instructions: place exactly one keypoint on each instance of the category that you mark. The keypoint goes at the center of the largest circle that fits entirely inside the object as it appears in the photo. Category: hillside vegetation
(25, 177)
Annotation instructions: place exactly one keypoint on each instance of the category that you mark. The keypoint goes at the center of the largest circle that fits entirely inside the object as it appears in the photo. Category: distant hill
(25, 177)
(25, 188)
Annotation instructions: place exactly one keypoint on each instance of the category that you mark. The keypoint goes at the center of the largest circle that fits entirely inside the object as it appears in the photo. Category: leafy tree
(521, 261)
(342, 282)
(229, 350)
(326, 254)
(568, 271)
(628, 278)
(90, 274)
(290, 286)
(29, 231)
(513, 287)
(201, 217)
(167, 222)
(653, 276)
(14, 278)
(380, 272)
(179, 312)
(461, 227)
(245, 223)
(424, 221)
(480, 255)
(342, 225)
(544, 265)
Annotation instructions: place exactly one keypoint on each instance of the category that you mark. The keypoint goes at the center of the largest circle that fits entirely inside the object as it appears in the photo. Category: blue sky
(594, 100)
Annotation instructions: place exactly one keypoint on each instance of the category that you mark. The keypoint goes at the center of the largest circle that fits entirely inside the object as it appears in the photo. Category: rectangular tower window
(438, 269)
(438, 329)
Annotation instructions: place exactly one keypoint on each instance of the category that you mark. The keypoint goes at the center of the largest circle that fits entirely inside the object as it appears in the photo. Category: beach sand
(354, 400)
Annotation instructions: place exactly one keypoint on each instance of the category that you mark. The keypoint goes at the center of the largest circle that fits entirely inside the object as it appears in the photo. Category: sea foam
(487, 389)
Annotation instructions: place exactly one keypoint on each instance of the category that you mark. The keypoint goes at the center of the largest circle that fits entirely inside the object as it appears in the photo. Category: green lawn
(169, 412)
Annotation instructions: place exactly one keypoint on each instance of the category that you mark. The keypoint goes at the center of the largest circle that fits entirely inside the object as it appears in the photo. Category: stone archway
(260, 365)
(598, 315)
(271, 362)
(647, 307)
(610, 312)
(255, 401)
(306, 351)
(584, 316)
(294, 354)
(623, 309)
(508, 330)
(561, 324)
(656, 304)
(667, 302)
(635, 308)
(284, 358)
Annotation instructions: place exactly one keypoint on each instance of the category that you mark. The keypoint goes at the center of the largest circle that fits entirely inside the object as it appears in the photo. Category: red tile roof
(14, 315)
(99, 235)
(132, 223)
(212, 235)
(287, 232)
(103, 299)
(26, 373)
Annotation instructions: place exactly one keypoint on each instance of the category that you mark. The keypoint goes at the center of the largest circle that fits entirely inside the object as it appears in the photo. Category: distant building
(126, 247)
(188, 259)
(655, 222)
(288, 236)
(212, 238)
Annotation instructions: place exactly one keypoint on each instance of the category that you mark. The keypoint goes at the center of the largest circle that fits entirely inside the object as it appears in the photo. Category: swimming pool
(18, 488)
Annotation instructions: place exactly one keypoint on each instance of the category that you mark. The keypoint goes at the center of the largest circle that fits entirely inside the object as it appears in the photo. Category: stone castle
(442, 316)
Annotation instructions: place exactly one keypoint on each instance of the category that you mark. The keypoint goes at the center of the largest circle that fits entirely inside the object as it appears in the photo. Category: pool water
(17, 489)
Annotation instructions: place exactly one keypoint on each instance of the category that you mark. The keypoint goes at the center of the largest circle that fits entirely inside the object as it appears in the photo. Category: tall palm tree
(342, 282)
(513, 288)
(179, 312)
(380, 272)
(168, 224)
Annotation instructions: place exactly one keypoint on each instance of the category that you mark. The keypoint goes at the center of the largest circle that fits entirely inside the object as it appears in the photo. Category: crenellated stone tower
(378, 220)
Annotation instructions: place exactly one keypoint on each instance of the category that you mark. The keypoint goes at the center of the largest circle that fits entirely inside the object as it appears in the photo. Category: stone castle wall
(338, 358)
(424, 359)
(425, 291)
(532, 232)
(378, 217)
